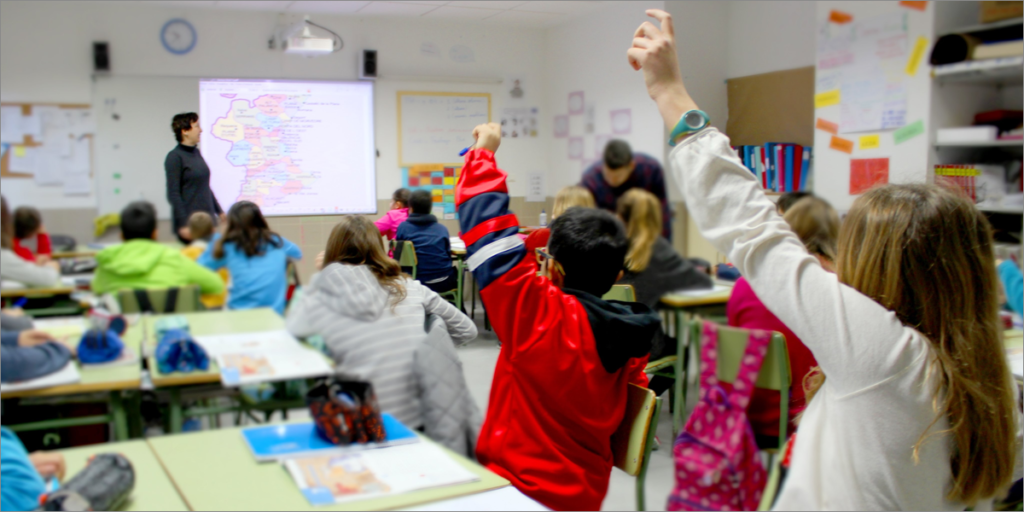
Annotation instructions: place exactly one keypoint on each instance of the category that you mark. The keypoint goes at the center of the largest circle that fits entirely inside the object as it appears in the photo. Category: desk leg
(682, 375)
(458, 294)
(176, 413)
(119, 416)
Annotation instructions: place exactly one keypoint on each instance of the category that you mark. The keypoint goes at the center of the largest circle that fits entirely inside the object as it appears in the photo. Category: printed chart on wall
(433, 128)
(293, 148)
(49, 143)
(862, 67)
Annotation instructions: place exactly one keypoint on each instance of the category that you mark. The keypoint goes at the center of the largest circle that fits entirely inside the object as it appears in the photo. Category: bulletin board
(772, 107)
(38, 143)
(433, 127)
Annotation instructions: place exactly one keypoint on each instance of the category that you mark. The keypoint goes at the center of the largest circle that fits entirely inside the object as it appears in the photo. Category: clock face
(178, 36)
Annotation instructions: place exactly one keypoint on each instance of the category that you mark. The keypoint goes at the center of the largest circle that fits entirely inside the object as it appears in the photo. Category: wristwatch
(692, 121)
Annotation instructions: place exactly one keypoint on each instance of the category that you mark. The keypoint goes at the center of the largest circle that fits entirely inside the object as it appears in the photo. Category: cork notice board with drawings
(51, 143)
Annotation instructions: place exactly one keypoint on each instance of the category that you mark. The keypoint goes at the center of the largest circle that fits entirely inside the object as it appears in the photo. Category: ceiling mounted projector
(298, 39)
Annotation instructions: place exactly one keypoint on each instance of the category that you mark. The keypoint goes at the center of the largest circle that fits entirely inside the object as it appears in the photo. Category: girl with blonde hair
(569, 197)
(918, 409)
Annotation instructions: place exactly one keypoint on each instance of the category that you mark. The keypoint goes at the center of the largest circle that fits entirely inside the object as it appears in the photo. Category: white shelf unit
(985, 26)
(1001, 71)
(1019, 144)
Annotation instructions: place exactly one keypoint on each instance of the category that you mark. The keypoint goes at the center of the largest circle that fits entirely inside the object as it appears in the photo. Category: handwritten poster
(867, 60)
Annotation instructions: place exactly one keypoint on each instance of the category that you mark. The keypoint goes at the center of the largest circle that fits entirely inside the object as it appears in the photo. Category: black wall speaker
(368, 65)
(101, 57)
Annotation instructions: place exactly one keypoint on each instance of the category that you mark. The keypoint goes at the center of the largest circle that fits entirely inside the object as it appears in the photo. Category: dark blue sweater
(433, 247)
(24, 363)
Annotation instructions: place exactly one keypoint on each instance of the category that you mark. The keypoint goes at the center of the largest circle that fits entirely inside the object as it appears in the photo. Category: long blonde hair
(817, 225)
(569, 197)
(925, 253)
(640, 210)
(356, 241)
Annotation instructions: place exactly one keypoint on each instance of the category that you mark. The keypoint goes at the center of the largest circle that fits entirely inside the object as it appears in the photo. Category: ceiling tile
(462, 13)
(533, 19)
(252, 5)
(560, 6)
(395, 9)
(485, 4)
(326, 7)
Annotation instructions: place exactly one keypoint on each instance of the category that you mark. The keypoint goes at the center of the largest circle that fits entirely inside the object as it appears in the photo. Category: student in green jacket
(142, 263)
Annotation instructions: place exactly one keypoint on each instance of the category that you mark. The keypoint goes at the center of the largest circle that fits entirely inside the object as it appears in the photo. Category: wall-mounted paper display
(576, 148)
(827, 126)
(868, 173)
(869, 141)
(908, 132)
(622, 121)
(576, 104)
(535, 187)
(841, 144)
(561, 126)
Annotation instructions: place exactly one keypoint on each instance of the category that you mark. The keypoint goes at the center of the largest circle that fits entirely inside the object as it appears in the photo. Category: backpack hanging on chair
(717, 462)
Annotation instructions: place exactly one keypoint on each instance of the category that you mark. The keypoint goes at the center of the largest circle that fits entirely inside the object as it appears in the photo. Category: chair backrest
(621, 292)
(630, 441)
(405, 253)
(775, 374)
(167, 300)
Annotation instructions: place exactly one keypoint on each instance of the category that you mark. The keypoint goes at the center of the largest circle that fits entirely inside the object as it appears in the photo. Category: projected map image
(292, 148)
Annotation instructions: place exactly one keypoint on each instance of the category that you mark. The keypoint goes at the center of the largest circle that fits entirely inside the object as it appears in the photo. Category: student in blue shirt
(1013, 284)
(30, 354)
(256, 258)
(22, 474)
(432, 243)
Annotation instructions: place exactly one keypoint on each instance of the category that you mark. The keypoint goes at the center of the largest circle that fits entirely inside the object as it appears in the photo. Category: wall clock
(178, 36)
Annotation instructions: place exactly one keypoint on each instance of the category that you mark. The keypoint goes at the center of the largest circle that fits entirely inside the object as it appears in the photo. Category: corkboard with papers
(49, 142)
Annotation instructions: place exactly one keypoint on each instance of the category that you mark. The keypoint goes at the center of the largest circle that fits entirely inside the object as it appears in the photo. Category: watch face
(694, 120)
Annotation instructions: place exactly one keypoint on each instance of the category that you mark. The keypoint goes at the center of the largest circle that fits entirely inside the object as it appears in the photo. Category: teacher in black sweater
(188, 177)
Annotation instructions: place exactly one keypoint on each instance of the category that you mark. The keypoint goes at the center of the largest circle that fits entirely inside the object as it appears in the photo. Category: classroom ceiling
(535, 13)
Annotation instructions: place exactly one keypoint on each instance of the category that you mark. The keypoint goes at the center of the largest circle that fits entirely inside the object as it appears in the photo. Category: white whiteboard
(130, 150)
(433, 127)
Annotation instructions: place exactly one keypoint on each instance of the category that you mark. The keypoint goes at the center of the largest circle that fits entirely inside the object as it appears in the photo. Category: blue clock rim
(163, 39)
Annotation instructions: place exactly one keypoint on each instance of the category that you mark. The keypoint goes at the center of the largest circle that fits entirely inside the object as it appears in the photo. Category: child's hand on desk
(18, 312)
(43, 259)
(49, 465)
(488, 136)
(33, 338)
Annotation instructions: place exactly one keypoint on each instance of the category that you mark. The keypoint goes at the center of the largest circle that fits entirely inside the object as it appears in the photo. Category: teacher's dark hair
(247, 229)
(617, 154)
(138, 221)
(6, 225)
(183, 122)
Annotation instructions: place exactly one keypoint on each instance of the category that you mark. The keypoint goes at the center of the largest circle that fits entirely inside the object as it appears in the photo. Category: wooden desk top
(17, 293)
(718, 296)
(153, 487)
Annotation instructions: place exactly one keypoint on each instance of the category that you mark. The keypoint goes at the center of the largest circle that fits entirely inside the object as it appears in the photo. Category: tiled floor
(478, 360)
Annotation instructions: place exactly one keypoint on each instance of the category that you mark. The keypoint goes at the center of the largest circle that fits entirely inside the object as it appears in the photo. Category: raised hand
(654, 52)
(488, 136)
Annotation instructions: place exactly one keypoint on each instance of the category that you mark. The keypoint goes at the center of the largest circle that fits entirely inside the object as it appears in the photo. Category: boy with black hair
(567, 357)
(31, 242)
(143, 263)
(432, 243)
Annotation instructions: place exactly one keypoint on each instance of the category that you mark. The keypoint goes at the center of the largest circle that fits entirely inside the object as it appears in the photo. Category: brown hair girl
(248, 230)
(356, 241)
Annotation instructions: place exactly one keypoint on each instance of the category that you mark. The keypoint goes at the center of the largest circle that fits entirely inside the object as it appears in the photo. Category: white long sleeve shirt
(854, 449)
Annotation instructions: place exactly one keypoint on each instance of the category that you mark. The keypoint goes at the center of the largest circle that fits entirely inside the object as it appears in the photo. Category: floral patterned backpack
(717, 462)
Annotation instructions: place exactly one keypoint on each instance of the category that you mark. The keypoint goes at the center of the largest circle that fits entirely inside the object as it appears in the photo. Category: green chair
(160, 301)
(405, 253)
(455, 296)
(621, 292)
(633, 441)
(775, 373)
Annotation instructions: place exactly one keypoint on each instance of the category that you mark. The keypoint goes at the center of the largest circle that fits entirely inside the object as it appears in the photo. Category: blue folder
(274, 442)
(789, 169)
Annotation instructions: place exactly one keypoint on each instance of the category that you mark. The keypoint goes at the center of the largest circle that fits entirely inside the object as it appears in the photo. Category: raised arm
(849, 334)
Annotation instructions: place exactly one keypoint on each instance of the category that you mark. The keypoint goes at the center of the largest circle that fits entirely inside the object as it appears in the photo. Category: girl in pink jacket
(388, 224)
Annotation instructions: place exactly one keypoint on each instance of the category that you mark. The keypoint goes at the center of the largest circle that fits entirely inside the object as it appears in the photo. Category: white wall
(45, 50)
(770, 36)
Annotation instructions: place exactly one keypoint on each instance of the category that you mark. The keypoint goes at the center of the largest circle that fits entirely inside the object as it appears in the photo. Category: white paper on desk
(243, 368)
(718, 288)
(49, 168)
(10, 125)
(248, 342)
(67, 375)
(23, 159)
(457, 244)
(59, 322)
(353, 476)
(506, 498)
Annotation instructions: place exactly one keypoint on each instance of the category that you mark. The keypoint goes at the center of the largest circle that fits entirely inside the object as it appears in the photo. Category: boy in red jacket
(567, 356)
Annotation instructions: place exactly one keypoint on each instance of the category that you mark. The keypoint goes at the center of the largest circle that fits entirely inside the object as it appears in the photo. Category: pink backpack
(717, 461)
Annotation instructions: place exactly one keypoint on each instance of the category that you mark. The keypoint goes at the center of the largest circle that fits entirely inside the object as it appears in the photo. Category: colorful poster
(868, 173)
(439, 180)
